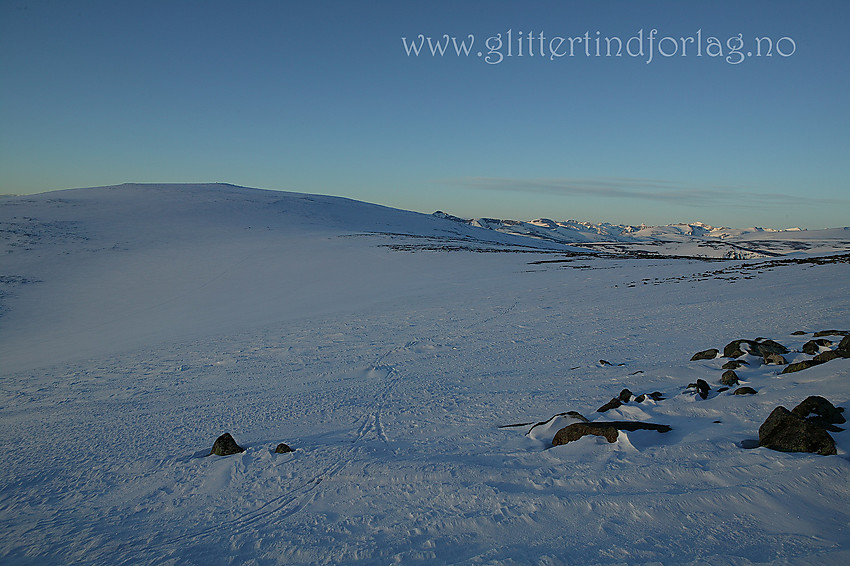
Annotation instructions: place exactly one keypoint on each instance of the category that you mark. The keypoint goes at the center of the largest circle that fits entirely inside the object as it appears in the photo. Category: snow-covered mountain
(420, 368)
(693, 239)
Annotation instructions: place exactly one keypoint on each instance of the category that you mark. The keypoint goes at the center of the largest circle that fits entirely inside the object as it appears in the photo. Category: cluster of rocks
(728, 379)
(771, 353)
(225, 445)
(813, 348)
(625, 396)
(804, 428)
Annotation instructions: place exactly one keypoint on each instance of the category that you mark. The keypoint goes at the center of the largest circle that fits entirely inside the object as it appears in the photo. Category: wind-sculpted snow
(163, 317)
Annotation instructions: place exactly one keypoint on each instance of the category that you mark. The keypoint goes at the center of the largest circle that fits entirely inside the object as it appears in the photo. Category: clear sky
(323, 97)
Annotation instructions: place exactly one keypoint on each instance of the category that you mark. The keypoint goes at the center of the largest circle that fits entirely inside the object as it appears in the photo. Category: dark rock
(722, 389)
(798, 333)
(819, 411)
(702, 388)
(224, 445)
(656, 395)
(826, 356)
(612, 404)
(706, 355)
(625, 396)
(763, 348)
(775, 359)
(798, 366)
(733, 349)
(812, 347)
(734, 364)
(609, 430)
(282, 449)
(744, 391)
(640, 398)
(766, 347)
(786, 432)
(820, 333)
(575, 431)
(572, 414)
(605, 363)
(729, 377)
(843, 348)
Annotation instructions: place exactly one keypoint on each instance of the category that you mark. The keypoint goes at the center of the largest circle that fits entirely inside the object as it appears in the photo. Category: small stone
(798, 333)
(729, 377)
(706, 355)
(701, 386)
(734, 364)
(775, 359)
(605, 363)
(282, 449)
(612, 404)
(744, 391)
(722, 389)
(640, 398)
(733, 349)
(625, 396)
(224, 445)
(656, 395)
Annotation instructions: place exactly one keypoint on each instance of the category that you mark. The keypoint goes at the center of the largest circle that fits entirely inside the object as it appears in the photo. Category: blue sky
(323, 97)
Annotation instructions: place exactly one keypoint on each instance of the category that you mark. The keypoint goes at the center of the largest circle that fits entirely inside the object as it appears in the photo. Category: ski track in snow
(390, 376)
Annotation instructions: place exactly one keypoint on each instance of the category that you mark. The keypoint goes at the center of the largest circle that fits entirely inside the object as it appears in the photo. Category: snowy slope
(141, 322)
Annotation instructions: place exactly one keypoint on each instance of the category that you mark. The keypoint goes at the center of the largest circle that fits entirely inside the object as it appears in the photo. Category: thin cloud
(640, 189)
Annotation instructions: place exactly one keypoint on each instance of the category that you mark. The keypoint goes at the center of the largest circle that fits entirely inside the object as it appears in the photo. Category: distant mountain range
(692, 239)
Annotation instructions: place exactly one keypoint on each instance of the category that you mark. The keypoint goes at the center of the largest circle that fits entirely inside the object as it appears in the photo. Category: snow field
(390, 374)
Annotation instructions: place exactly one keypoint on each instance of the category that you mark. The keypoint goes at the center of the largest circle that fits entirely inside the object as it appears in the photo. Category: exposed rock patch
(609, 430)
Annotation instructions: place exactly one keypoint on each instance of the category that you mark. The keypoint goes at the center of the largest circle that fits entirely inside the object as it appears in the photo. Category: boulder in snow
(282, 449)
(787, 432)
(729, 377)
(224, 445)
